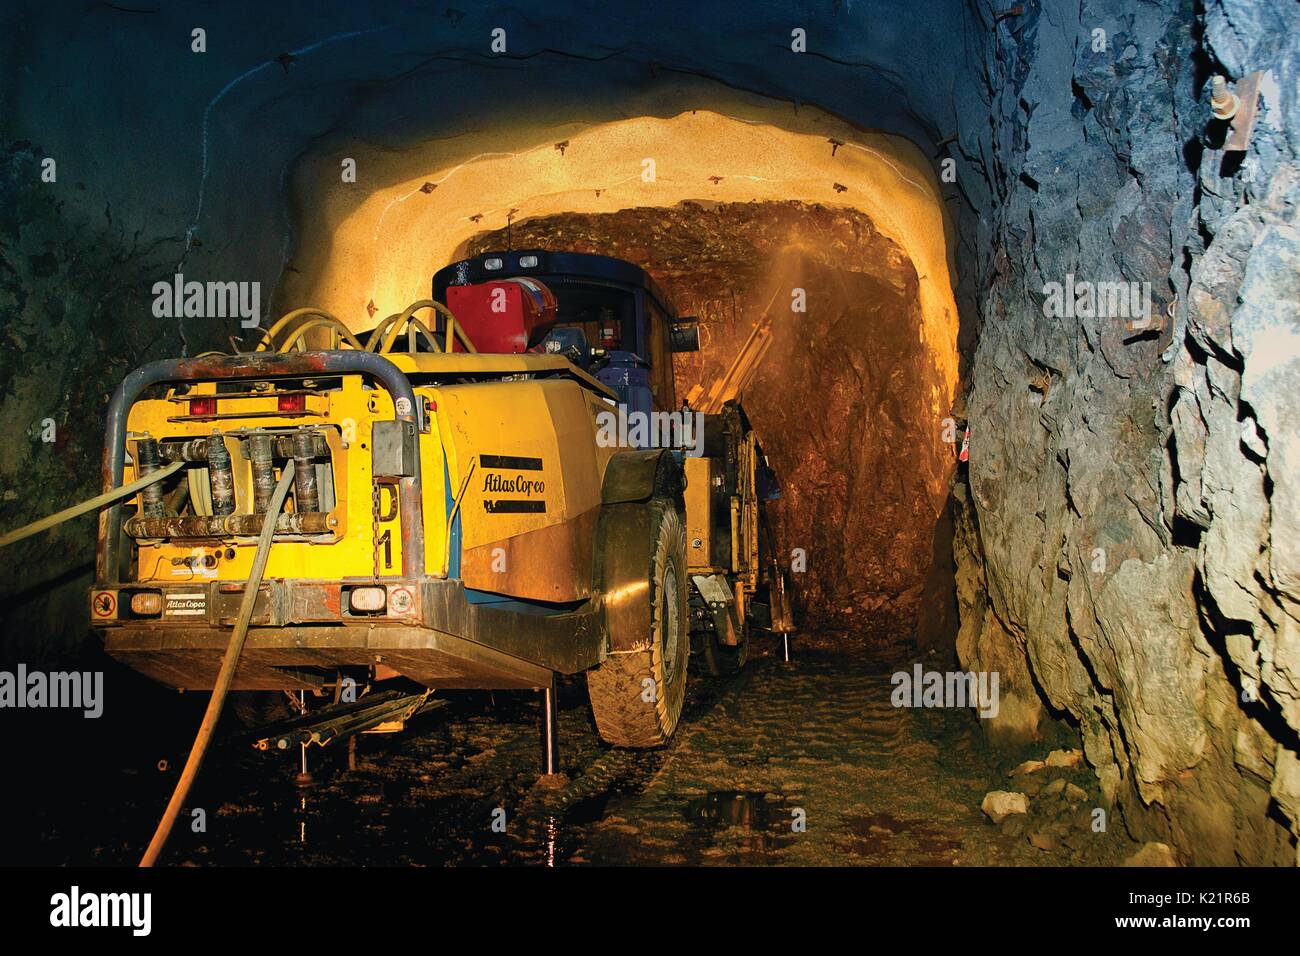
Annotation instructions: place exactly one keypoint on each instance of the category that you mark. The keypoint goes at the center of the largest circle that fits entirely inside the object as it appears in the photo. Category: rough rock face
(1127, 535)
(839, 400)
(74, 319)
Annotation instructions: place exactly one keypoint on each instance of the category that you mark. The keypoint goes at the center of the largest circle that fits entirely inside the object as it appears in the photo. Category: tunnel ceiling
(384, 242)
(393, 74)
(1125, 531)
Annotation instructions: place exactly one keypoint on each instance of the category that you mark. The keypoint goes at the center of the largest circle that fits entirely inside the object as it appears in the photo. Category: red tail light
(203, 406)
(292, 403)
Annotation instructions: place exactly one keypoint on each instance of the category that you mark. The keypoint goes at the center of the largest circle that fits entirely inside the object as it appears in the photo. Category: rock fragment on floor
(1064, 758)
(1153, 854)
(1000, 804)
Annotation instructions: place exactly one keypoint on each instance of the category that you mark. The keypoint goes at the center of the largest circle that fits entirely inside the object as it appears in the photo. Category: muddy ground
(800, 763)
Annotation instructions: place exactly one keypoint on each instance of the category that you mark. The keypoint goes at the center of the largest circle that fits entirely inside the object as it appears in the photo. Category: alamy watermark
(212, 300)
(922, 688)
(73, 690)
(75, 908)
(1101, 300)
(623, 429)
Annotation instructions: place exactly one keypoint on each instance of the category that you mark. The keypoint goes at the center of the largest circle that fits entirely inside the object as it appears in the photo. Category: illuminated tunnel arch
(368, 248)
(379, 240)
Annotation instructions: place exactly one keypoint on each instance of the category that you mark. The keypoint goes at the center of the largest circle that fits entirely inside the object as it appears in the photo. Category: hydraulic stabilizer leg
(550, 733)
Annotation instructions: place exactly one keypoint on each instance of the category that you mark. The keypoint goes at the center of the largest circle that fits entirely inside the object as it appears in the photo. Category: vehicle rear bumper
(432, 633)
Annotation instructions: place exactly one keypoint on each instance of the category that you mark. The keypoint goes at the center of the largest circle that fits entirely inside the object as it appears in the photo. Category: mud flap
(715, 591)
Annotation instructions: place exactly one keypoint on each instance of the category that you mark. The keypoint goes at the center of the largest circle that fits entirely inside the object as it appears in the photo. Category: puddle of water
(724, 826)
(729, 808)
(588, 810)
(882, 835)
(753, 824)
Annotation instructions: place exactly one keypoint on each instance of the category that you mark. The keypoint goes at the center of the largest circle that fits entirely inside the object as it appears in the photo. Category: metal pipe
(221, 476)
(305, 495)
(254, 366)
(259, 455)
(284, 445)
(304, 779)
(223, 526)
(550, 730)
(146, 463)
(193, 449)
(196, 449)
(336, 722)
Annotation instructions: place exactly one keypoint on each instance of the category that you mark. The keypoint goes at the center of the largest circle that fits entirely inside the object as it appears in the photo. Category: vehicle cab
(605, 315)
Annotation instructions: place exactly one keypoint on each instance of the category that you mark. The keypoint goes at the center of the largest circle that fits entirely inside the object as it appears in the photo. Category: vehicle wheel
(636, 695)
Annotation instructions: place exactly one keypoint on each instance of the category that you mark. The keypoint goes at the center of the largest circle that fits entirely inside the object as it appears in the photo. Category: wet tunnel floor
(805, 763)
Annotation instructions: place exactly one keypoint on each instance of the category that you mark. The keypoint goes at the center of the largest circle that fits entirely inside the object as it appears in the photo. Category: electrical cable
(225, 676)
(90, 504)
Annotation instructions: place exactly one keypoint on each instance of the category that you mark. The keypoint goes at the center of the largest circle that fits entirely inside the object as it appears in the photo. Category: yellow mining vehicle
(503, 493)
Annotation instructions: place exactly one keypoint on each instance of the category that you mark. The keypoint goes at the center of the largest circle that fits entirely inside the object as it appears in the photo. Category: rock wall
(74, 319)
(1126, 531)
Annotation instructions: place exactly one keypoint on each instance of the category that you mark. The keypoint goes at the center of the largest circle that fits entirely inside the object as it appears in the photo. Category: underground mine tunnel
(1002, 511)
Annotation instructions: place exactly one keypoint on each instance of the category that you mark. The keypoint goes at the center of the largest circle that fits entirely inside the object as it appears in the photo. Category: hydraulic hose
(91, 504)
(226, 675)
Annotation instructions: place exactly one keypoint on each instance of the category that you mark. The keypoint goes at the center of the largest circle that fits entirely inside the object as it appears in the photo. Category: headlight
(147, 603)
(367, 600)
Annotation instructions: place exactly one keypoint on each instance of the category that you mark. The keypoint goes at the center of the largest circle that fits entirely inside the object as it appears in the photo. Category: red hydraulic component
(501, 316)
(609, 334)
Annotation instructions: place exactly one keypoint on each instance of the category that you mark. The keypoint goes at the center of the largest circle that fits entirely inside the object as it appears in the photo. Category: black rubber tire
(637, 695)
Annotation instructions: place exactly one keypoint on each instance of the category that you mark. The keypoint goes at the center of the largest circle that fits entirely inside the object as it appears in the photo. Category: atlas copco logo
(518, 485)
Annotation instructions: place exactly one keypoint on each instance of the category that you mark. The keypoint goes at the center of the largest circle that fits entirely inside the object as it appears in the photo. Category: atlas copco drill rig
(435, 502)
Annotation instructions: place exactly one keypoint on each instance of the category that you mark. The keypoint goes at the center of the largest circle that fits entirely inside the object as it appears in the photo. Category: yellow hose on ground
(91, 504)
(225, 676)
